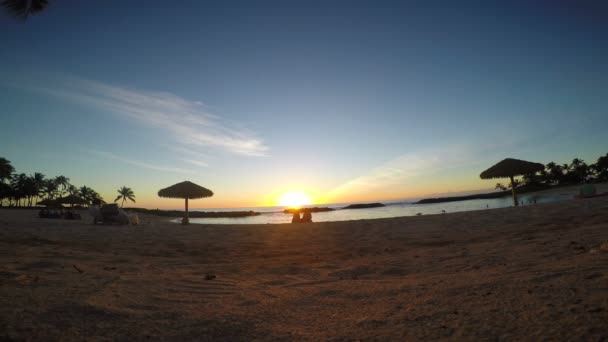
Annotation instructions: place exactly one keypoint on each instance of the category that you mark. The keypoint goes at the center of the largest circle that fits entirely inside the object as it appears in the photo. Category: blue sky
(346, 101)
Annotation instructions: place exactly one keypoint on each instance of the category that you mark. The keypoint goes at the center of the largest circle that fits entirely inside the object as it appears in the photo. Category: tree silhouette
(6, 169)
(125, 194)
(5, 192)
(24, 8)
(89, 194)
(19, 187)
(578, 171)
(501, 187)
(86, 193)
(22, 189)
(38, 180)
(600, 168)
(555, 173)
(72, 189)
(50, 188)
(63, 182)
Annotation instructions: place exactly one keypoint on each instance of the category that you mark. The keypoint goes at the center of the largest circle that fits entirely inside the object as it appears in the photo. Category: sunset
(296, 170)
(294, 199)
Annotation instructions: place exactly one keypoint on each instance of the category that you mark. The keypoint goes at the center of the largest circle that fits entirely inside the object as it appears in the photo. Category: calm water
(392, 209)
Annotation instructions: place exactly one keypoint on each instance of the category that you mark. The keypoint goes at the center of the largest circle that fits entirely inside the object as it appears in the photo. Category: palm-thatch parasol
(72, 199)
(186, 190)
(510, 168)
(48, 202)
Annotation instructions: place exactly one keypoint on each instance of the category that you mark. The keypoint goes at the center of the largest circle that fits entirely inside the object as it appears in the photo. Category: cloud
(188, 121)
(196, 162)
(404, 169)
(112, 156)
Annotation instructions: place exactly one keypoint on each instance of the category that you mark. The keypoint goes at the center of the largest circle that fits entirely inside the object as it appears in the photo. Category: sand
(528, 273)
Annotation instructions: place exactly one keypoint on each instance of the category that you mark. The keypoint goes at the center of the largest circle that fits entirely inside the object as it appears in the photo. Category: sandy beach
(528, 273)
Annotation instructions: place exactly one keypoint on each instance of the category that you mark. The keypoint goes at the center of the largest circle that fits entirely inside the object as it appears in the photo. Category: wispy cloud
(112, 156)
(188, 121)
(403, 169)
(196, 162)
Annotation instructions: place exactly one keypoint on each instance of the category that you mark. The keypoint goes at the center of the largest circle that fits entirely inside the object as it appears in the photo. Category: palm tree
(125, 194)
(578, 171)
(555, 173)
(18, 185)
(72, 190)
(5, 192)
(30, 190)
(600, 168)
(97, 197)
(38, 182)
(24, 8)
(501, 187)
(6, 169)
(64, 182)
(533, 179)
(89, 194)
(50, 188)
(86, 193)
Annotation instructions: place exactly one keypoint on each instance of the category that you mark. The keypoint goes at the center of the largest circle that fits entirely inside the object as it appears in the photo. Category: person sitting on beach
(296, 217)
(307, 216)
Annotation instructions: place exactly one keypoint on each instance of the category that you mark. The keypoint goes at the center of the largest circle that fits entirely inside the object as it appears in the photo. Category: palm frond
(24, 8)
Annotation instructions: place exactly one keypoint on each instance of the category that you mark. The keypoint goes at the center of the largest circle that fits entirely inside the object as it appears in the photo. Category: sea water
(275, 215)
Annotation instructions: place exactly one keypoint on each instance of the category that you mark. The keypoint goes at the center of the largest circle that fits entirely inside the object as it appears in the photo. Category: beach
(527, 273)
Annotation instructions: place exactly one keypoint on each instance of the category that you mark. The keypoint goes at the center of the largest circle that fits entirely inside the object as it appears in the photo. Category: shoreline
(170, 215)
(565, 189)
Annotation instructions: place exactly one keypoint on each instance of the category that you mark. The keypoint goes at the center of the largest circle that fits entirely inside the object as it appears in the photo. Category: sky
(346, 101)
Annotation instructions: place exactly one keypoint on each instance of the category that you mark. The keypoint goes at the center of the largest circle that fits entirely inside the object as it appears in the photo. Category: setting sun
(294, 199)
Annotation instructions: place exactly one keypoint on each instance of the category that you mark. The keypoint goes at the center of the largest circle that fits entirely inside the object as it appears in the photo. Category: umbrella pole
(186, 220)
(513, 191)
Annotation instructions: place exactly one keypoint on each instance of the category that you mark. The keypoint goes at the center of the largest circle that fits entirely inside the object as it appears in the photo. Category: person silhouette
(307, 216)
(296, 217)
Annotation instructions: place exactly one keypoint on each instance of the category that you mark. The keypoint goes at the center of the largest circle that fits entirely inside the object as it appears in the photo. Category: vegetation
(577, 172)
(24, 8)
(125, 194)
(6, 169)
(21, 190)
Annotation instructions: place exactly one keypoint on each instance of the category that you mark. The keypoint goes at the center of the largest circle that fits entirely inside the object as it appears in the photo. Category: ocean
(274, 215)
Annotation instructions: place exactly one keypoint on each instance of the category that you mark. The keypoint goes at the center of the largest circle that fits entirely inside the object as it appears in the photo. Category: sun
(294, 199)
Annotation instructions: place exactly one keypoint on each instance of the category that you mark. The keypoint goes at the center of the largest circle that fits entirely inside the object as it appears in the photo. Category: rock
(364, 206)
(309, 210)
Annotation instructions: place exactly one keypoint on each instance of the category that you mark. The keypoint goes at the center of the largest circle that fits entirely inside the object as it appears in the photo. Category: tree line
(577, 172)
(21, 190)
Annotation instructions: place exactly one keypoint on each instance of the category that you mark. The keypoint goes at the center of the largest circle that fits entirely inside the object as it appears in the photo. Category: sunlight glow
(294, 199)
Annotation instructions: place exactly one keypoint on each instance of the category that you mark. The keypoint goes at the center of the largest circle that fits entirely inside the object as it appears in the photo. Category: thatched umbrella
(186, 190)
(510, 168)
(48, 202)
(72, 199)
